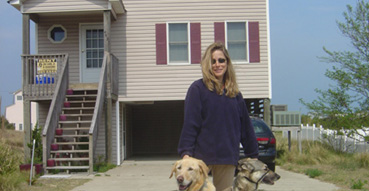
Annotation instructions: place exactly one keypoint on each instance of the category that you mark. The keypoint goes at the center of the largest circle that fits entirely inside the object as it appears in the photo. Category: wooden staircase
(70, 149)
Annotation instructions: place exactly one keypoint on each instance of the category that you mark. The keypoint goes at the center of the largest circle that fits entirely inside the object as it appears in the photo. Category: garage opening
(154, 129)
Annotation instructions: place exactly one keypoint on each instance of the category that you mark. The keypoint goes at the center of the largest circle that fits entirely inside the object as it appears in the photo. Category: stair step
(72, 143)
(75, 128)
(72, 122)
(82, 101)
(81, 95)
(67, 167)
(70, 159)
(63, 136)
(70, 151)
(78, 115)
(78, 108)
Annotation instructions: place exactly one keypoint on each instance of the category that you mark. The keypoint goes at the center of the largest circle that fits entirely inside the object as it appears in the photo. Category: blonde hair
(209, 79)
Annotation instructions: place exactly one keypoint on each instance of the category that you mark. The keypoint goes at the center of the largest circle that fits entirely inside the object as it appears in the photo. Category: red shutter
(254, 42)
(161, 43)
(219, 32)
(195, 43)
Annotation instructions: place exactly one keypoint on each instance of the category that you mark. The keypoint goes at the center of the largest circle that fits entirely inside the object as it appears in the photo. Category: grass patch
(12, 179)
(358, 185)
(11, 155)
(321, 161)
(312, 173)
(101, 166)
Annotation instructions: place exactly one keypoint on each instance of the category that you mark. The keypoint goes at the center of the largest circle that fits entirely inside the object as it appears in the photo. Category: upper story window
(237, 41)
(57, 33)
(178, 43)
(241, 38)
(19, 98)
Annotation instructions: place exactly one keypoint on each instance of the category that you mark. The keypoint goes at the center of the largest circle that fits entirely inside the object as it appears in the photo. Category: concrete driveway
(153, 175)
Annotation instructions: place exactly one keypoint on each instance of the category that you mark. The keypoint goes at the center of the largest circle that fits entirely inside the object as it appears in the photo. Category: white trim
(118, 131)
(49, 35)
(188, 39)
(36, 38)
(269, 53)
(247, 39)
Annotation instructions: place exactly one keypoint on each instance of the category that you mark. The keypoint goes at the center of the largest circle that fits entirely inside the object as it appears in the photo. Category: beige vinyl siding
(71, 44)
(142, 80)
(100, 145)
(42, 6)
(43, 109)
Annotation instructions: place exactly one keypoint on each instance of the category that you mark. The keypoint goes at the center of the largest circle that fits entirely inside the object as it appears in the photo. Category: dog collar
(260, 179)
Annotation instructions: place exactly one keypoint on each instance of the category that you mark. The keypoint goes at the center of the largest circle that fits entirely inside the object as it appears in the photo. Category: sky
(299, 29)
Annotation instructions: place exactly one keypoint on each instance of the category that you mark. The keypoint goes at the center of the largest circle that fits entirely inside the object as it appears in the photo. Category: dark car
(266, 141)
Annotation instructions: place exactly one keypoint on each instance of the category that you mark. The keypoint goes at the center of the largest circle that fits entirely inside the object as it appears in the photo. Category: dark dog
(251, 172)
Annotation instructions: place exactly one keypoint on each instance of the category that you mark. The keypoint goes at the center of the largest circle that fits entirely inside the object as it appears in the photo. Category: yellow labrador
(192, 175)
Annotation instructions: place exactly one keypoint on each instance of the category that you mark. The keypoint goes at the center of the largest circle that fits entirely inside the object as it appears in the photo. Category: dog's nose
(277, 176)
(180, 179)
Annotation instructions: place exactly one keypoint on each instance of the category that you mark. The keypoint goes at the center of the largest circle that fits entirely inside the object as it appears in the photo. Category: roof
(117, 5)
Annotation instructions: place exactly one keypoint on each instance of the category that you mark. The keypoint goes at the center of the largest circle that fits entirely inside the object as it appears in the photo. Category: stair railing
(100, 100)
(55, 109)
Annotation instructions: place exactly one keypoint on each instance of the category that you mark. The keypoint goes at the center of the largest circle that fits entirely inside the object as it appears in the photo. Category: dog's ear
(246, 166)
(203, 168)
(174, 168)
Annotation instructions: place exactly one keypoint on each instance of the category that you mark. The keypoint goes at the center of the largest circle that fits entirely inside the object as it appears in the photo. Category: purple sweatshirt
(214, 126)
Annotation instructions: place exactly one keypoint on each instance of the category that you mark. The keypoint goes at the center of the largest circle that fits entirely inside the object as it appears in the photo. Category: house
(14, 112)
(110, 76)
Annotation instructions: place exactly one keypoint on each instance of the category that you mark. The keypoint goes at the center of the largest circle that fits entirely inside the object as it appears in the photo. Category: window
(20, 127)
(241, 39)
(57, 34)
(178, 43)
(237, 43)
(19, 98)
(94, 48)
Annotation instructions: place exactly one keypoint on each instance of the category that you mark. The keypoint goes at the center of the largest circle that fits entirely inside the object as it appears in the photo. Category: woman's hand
(185, 156)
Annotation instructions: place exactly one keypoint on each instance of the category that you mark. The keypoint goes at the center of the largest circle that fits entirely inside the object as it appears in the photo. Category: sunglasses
(220, 60)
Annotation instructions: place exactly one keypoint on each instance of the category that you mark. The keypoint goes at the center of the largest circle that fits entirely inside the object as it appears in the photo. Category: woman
(216, 119)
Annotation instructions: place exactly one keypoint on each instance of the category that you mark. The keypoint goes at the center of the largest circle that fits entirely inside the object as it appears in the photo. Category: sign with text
(45, 66)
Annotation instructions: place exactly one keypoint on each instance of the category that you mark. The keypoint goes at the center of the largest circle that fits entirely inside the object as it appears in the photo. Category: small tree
(346, 103)
(36, 135)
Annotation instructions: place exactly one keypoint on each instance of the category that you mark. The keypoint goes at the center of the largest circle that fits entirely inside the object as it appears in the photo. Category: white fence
(338, 140)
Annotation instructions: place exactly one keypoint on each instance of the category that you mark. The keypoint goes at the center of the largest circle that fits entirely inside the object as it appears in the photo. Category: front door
(92, 52)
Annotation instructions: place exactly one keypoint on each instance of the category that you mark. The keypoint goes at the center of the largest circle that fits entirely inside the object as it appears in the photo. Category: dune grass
(350, 171)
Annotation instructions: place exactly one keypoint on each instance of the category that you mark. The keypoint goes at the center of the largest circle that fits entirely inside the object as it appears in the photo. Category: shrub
(312, 173)
(36, 135)
(358, 184)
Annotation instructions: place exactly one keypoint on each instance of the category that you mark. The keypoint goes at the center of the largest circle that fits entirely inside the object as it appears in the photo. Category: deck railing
(41, 74)
(62, 83)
